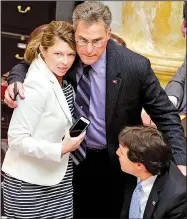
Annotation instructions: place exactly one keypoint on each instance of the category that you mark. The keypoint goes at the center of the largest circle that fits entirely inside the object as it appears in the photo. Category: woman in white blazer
(38, 180)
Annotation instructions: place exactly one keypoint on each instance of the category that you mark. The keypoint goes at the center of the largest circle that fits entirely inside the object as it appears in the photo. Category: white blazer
(36, 130)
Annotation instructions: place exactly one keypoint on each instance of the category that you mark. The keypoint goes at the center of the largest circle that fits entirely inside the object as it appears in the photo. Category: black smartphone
(15, 89)
(79, 126)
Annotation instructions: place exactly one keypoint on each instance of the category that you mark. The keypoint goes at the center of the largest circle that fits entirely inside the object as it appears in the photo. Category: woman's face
(59, 57)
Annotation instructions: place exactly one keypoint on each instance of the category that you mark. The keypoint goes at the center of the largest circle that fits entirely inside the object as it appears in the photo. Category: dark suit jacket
(177, 86)
(167, 198)
(130, 85)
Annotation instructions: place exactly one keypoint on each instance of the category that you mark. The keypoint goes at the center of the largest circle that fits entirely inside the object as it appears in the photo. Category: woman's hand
(71, 143)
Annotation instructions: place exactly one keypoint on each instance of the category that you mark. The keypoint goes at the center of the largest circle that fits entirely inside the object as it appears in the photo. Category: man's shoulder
(21, 66)
(126, 58)
(175, 183)
(126, 52)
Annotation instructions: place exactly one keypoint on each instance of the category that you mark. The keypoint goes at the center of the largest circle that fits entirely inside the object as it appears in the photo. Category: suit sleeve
(24, 123)
(163, 113)
(176, 85)
(18, 73)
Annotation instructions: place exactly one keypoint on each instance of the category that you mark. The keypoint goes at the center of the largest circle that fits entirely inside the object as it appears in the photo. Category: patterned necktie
(82, 104)
(134, 211)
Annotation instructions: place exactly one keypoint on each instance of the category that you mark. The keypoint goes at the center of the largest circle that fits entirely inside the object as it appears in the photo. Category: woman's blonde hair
(61, 30)
(33, 43)
(46, 35)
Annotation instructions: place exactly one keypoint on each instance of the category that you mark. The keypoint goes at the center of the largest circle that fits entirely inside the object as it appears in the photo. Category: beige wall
(152, 28)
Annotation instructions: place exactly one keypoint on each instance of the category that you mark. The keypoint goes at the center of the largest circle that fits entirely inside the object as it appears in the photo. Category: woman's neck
(60, 79)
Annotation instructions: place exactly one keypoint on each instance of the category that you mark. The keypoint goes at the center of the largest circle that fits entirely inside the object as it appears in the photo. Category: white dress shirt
(174, 100)
(146, 190)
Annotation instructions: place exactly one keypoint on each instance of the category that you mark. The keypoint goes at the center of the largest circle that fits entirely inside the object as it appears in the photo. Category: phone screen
(78, 128)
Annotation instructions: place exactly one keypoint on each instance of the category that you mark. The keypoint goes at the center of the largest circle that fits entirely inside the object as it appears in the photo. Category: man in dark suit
(159, 189)
(176, 88)
(122, 82)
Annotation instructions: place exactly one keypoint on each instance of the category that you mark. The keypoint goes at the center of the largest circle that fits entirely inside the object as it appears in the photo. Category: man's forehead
(96, 29)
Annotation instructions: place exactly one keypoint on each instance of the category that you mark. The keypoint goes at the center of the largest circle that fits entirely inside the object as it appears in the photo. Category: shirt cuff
(174, 100)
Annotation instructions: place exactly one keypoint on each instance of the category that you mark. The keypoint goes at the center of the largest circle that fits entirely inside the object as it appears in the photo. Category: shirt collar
(147, 184)
(100, 63)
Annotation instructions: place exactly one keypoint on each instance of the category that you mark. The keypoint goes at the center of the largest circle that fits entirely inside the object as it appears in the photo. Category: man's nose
(89, 47)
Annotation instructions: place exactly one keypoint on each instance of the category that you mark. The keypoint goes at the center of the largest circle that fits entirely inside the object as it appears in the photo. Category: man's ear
(109, 34)
(141, 167)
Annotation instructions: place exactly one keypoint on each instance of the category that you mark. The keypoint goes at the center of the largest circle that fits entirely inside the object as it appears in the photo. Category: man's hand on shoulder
(146, 119)
(9, 94)
(182, 169)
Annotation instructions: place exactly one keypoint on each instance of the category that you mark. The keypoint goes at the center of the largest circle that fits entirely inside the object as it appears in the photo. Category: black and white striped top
(68, 93)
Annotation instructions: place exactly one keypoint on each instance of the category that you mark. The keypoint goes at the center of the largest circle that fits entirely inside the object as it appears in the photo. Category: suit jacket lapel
(154, 196)
(151, 203)
(61, 99)
(113, 82)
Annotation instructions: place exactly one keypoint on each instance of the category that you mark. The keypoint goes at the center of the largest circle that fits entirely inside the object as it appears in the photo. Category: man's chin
(89, 61)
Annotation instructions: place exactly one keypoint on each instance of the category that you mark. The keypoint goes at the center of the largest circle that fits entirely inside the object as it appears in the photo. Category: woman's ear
(42, 51)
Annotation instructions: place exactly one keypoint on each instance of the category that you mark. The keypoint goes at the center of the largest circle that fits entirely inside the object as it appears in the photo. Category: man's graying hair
(91, 12)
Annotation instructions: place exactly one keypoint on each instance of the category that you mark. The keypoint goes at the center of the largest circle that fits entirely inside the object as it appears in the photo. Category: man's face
(126, 165)
(94, 34)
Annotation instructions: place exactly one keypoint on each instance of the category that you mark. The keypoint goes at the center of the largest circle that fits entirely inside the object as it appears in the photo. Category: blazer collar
(42, 67)
(154, 195)
(113, 80)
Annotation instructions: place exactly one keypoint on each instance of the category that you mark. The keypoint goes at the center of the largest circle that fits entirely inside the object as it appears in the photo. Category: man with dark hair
(159, 191)
(176, 88)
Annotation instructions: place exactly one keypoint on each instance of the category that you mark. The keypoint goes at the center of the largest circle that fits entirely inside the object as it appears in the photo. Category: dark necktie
(82, 104)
